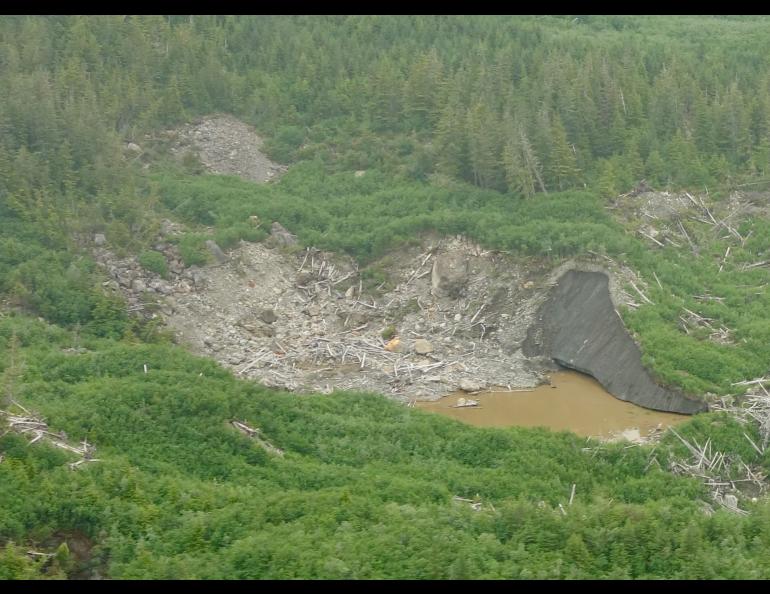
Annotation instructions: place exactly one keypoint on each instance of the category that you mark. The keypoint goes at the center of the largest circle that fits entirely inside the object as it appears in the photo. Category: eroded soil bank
(579, 327)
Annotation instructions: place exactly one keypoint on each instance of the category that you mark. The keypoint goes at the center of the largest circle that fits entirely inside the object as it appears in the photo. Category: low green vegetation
(154, 262)
(364, 489)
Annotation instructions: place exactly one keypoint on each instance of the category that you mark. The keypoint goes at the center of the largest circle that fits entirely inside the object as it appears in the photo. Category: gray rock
(281, 235)
(449, 274)
(258, 330)
(358, 318)
(268, 316)
(138, 286)
(100, 239)
(169, 228)
(422, 346)
(314, 310)
(731, 501)
(469, 385)
(304, 279)
(175, 267)
(216, 251)
(197, 277)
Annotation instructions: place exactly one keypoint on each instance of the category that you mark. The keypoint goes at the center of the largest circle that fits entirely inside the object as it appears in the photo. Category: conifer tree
(562, 163)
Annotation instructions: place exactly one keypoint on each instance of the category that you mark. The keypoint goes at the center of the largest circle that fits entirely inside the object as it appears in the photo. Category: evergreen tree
(562, 163)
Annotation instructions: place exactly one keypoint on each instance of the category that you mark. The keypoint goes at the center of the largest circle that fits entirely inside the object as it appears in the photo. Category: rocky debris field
(226, 146)
(449, 315)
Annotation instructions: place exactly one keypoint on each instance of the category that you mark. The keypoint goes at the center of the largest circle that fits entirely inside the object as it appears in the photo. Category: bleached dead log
(39, 430)
(755, 446)
(648, 236)
(307, 253)
(724, 259)
(707, 297)
(473, 319)
(261, 355)
(751, 382)
(686, 236)
(642, 295)
(255, 435)
(466, 403)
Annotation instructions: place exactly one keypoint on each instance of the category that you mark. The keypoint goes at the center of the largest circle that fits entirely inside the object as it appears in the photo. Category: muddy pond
(573, 402)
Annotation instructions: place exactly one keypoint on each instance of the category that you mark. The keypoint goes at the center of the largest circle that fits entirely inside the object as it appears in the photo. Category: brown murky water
(574, 402)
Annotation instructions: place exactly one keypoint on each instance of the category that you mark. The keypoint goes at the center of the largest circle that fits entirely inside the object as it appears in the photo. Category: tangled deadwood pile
(37, 430)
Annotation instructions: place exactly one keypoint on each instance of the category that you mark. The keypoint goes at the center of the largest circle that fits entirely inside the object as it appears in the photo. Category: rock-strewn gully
(302, 319)
(227, 146)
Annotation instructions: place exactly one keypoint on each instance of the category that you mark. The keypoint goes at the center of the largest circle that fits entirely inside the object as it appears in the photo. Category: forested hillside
(519, 132)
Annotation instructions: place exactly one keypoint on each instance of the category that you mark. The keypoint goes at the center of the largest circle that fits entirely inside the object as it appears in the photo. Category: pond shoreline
(572, 402)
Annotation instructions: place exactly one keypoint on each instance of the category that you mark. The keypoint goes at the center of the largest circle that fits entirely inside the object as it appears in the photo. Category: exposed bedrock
(578, 327)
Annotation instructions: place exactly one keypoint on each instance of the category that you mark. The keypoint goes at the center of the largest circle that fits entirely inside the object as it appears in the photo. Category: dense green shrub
(154, 262)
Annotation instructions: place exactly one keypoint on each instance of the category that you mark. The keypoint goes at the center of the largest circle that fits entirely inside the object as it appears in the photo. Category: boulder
(281, 235)
(267, 316)
(216, 251)
(100, 239)
(469, 385)
(358, 318)
(161, 287)
(304, 279)
(176, 267)
(632, 435)
(422, 346)
(449, 274)
(168, 227)
(138, 286)
(196, 276)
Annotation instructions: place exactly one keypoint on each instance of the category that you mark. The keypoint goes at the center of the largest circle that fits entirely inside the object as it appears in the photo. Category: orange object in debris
(392, 345)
